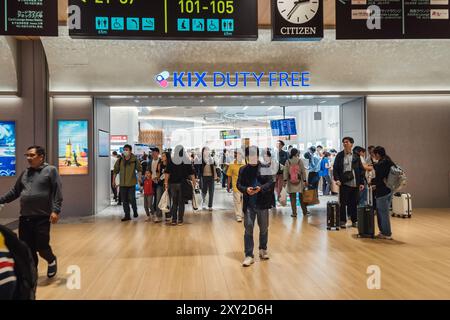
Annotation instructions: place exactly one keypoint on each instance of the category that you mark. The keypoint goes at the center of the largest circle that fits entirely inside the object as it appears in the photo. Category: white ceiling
(237, 117)
(122, 66)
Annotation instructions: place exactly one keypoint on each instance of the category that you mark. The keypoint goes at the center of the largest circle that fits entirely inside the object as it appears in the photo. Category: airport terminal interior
(83, 97)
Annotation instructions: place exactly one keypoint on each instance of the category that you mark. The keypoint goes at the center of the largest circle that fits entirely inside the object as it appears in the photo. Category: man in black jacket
(348, 172)
(39, 189)
(257, 186)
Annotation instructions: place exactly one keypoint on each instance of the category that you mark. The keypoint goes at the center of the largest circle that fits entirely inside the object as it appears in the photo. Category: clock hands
(296, 5)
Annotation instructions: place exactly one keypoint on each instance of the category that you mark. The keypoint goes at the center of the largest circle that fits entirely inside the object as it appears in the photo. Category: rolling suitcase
(401, 205)
(333, 215)
(366, 218)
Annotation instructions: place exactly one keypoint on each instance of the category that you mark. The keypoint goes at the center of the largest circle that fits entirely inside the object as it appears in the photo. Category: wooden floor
(202, 259)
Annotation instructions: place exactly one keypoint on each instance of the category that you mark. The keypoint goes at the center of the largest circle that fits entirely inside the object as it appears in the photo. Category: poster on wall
(103, 143)
(73, 147)
(7, 148)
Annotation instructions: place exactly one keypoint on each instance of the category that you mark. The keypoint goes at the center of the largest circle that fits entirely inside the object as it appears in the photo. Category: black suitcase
(366, 219)
(333, 214)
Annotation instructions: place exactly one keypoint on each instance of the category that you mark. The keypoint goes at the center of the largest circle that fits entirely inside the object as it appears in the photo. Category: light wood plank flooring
(202, 259)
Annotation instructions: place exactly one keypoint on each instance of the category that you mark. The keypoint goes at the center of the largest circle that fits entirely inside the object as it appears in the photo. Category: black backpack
(24, 267)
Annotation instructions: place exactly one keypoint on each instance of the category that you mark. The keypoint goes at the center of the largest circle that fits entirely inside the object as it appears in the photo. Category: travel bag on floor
(333, 215)
(366, 218)
(401, 205)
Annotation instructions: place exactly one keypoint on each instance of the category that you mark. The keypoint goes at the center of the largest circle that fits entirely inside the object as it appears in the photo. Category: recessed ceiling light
(322, 101)
(136, 100)
(270, 108)
(201, 101)
(245, 108)
(262, 102)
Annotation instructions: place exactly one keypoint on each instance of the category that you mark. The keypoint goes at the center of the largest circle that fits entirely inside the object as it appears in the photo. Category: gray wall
(103, 165)
(29, 110)
(78, 191)
(416, 133)
(352, 115)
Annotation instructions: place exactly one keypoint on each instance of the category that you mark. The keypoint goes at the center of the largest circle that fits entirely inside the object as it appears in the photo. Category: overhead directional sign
(392, 19)
(164, 19)
(29, 17)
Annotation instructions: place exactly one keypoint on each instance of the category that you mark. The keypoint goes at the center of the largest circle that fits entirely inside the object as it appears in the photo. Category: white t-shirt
(154, 167)
(113, 162)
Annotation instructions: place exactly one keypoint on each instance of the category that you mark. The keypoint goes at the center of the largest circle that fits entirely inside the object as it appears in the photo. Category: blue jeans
(249, 224)
(383, 217)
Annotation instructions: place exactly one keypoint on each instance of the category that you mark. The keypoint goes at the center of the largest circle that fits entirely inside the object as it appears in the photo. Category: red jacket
(148, 187)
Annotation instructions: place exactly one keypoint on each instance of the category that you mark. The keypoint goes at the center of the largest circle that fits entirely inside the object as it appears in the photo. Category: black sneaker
(126, 219)
(135, 215)
(52, 269)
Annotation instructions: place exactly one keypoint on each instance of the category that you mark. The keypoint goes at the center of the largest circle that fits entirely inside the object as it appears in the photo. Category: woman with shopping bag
(294, 176)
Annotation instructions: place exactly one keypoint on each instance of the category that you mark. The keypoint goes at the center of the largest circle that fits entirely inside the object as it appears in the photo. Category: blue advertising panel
(7, 148)
(73, 152)
(284, 127)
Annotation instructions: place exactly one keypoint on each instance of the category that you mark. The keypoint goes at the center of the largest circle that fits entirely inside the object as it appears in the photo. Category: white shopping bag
(164, 203)
(283, 197)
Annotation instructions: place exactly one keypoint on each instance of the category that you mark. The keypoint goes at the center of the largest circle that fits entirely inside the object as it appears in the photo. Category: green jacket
(127, 170)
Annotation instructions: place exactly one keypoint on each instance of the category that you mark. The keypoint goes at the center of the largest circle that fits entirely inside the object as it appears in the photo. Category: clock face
(298, 11)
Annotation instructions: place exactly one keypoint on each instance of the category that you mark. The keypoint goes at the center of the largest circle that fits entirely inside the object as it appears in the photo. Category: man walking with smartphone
(257, 186)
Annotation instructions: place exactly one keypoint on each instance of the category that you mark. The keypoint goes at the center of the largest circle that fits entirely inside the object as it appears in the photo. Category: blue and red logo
(162, 79)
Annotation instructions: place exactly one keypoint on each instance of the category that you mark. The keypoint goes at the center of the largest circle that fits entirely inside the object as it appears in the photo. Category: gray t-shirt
(348, 158)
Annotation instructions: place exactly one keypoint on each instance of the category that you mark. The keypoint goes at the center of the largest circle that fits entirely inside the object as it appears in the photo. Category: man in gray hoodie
(39, 189)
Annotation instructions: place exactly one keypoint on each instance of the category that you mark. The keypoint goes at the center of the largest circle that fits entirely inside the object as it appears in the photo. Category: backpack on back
(24, 267)
(396, 179)
(294, 173)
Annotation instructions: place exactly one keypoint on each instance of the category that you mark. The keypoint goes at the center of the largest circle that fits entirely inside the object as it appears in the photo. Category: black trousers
(349, 198)
(35, 232)
(128, 195)
(177, 210)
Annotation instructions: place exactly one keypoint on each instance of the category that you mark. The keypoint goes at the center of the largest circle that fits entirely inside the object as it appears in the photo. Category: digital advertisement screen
(284, 127)
(165, 19)
(73, 147)
(7, 148)
(103, 143)
(29, 17)
(230, 134)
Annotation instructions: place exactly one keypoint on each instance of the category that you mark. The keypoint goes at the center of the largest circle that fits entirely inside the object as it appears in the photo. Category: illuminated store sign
(164, 19)
(189, 79)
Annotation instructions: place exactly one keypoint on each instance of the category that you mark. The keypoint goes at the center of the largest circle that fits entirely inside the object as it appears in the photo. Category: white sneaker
(239, 219)
(157, 220)
(210, 209)
(148, 219)
(263, 254)
(248, 261)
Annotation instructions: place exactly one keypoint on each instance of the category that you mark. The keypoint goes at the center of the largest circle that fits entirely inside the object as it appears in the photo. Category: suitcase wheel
(403, 217)
(393, 215)
(328, 228)
(409, 217)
